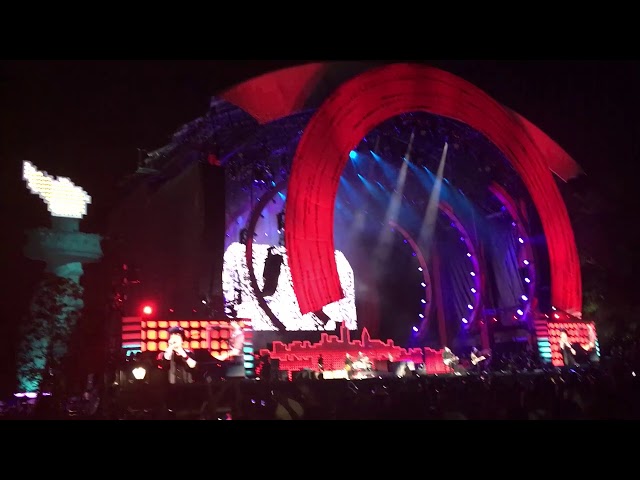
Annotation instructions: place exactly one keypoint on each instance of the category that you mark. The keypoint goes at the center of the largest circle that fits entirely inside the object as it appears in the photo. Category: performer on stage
(236, 340)
(476, 358)
(568, 352)
(176, 360)
(264, 366)
(450, 360)
(590, 346)
(348, 365)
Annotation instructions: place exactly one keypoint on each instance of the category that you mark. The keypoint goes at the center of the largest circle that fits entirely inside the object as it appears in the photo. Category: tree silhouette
(53, 314)
(606, 248)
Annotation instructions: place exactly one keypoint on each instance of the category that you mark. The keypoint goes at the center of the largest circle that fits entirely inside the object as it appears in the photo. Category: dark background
(86, 120)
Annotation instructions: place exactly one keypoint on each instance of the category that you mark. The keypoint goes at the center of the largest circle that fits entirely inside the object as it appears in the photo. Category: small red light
(147, 310)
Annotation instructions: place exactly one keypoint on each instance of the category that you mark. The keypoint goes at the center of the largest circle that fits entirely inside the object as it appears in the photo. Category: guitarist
(449, 359)
(590, 347)
(476, 358)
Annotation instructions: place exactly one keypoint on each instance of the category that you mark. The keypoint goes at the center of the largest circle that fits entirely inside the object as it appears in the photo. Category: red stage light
(147, 309)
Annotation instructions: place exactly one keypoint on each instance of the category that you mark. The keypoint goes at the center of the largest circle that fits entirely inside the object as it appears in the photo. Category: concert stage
(335, 223)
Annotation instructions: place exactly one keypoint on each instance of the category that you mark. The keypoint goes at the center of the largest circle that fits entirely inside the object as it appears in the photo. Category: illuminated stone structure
(57, 301)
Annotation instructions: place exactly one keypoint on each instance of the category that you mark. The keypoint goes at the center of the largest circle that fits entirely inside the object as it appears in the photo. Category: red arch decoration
(276, 94)
(285, 92)
(369, 99)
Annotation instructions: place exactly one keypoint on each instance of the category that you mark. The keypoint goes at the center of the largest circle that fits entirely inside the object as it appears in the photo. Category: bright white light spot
(63, 198)
(139, 373)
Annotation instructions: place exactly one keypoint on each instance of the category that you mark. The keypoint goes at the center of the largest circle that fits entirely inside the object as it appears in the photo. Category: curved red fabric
(558, 161)
(277, 94)
(369, 99)
(285, 92)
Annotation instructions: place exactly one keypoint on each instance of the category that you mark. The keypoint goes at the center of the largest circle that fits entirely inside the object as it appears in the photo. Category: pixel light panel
(63, 197)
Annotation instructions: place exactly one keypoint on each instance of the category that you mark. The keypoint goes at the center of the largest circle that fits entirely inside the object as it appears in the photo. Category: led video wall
(276, 288)
(582, 336)
(223, 339)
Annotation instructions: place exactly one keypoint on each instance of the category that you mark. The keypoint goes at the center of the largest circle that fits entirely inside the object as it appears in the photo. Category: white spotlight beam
(429, 223)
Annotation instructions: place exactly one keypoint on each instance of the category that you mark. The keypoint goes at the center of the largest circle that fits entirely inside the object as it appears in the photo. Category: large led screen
(276, 288)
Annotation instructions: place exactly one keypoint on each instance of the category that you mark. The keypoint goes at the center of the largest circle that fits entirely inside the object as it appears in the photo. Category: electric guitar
(477, 360)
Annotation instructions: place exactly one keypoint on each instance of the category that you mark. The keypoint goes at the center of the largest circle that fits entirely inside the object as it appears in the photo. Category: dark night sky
(85, 119)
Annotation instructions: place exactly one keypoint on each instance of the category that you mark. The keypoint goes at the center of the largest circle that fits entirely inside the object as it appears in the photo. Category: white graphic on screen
(240, 297)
